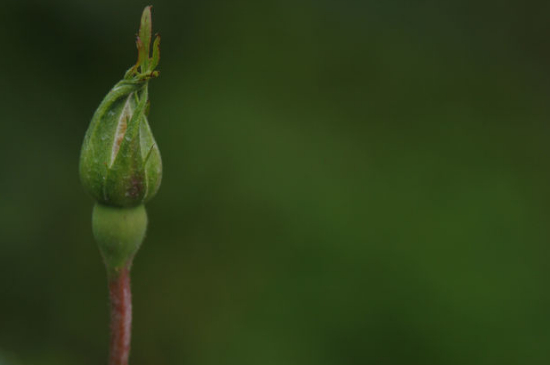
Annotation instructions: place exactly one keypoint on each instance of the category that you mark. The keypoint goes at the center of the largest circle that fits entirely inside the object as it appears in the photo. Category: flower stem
(121, 316)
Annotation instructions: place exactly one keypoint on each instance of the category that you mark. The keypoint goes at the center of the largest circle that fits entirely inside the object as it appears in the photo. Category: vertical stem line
(121, 316)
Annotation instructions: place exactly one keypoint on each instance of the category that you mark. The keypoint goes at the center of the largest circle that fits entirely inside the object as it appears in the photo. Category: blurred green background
(345, 182)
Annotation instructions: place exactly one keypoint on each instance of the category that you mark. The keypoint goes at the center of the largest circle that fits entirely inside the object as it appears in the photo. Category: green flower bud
(120, 162)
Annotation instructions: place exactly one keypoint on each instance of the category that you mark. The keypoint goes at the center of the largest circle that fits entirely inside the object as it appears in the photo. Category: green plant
(120, 166)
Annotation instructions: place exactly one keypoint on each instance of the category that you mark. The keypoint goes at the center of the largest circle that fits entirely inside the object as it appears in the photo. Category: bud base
(119, 233)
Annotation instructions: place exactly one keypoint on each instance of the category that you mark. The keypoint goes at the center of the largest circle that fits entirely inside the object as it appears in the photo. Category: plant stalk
(121, 316)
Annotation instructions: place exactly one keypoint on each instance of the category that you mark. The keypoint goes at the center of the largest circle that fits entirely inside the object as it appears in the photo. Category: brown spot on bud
(136, 187)
(120, 132)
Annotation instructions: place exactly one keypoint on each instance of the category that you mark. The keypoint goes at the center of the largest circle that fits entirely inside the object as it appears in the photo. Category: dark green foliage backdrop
(346, 182)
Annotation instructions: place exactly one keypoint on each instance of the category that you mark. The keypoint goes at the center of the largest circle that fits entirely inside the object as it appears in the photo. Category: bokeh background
(345, 182)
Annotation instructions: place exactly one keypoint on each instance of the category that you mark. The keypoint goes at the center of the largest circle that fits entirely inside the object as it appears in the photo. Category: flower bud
(120, 162)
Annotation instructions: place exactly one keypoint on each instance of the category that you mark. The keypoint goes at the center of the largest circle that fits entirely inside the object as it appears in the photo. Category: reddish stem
(121, 316)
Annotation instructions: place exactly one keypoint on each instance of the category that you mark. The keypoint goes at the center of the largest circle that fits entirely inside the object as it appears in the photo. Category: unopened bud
(120, 162)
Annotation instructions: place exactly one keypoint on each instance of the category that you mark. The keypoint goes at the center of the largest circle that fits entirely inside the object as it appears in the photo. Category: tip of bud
(146, 64)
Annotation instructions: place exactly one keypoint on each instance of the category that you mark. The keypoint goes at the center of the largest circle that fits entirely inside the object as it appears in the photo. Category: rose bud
(120, 162)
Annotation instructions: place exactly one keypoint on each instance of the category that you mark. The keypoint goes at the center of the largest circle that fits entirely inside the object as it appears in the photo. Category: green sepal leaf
(95, 158)
(145, 37)
(125, 183)
(151, 160)
(156, 53)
